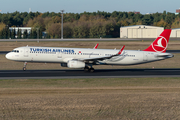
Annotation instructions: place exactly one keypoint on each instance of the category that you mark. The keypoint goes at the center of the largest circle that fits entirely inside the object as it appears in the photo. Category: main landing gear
(87, 69)
(24, 68)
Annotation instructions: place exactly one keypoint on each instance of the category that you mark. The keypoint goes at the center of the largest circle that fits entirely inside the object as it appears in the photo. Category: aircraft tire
(24, 68)
(86, 69)
(91, 70)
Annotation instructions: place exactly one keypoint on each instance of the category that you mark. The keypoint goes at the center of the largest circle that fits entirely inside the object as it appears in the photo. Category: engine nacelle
(75, 64)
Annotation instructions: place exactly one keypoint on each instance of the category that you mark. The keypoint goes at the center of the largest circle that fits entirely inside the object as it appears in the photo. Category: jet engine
(75, 64)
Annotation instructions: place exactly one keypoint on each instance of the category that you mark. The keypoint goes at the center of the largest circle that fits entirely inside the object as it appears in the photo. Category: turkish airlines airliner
(86, 58)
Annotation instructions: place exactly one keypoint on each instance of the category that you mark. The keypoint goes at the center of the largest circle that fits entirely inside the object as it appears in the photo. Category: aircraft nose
(8, 56)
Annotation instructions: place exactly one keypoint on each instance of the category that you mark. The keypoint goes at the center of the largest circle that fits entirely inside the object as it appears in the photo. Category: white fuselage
(63, 55)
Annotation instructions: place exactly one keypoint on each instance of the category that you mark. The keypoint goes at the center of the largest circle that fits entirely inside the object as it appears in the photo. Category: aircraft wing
(102, 57)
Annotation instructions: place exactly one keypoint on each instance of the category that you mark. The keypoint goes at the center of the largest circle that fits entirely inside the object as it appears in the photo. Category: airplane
(86, 57)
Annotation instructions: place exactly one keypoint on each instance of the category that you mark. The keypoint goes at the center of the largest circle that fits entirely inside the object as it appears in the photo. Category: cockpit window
(16, 51)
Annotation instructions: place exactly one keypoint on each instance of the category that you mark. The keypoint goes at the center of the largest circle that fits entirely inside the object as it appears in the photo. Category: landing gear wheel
(86, 68)
(24, 68)
(91, 70)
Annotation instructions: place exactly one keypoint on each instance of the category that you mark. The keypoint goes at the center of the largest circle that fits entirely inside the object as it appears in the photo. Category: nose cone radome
(8, 56)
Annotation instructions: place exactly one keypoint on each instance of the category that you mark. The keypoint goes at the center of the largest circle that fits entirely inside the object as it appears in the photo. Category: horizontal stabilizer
(165, 55)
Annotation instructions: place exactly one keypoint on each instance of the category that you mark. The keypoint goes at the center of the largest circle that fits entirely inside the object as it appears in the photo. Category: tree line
(80, 25)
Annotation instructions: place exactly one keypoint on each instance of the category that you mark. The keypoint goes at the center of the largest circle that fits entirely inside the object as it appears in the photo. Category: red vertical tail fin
(161, 42)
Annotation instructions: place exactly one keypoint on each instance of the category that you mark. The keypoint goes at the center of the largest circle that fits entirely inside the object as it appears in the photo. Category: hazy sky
(79, 6)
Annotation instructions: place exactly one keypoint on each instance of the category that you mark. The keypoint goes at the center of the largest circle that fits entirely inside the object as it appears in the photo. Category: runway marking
(161, 70)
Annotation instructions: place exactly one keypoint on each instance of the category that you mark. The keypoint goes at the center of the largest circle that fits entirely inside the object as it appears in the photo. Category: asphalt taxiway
(98, 73)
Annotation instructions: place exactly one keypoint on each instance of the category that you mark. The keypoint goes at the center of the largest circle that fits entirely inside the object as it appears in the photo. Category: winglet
(121, 50)
(95, 47)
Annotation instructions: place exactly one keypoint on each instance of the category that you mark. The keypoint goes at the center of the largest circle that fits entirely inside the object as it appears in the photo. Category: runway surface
(99, 73)
(4, 52)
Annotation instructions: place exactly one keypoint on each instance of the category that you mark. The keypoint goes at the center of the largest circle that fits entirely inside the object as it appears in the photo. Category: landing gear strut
(91, 70)
(86, 69)
(24, 68)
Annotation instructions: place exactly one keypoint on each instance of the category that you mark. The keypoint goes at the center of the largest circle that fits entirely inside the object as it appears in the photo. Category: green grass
(101, 98)
(90, 82)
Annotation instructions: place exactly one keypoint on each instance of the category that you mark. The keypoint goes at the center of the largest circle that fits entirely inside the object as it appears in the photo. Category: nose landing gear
(24, 68)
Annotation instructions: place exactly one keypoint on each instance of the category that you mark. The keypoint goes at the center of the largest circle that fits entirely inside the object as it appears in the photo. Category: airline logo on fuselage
(51, 50)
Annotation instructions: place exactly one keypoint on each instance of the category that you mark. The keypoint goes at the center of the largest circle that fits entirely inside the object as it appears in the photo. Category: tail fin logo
(160, 45)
